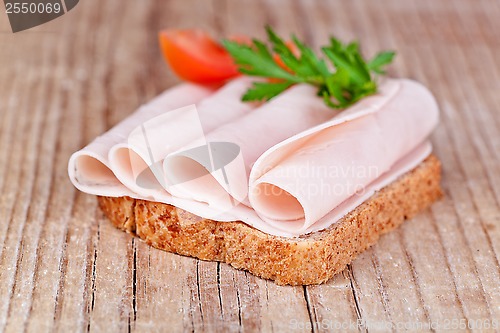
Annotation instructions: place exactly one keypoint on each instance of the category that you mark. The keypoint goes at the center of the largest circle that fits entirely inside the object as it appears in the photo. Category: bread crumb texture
(309, 259)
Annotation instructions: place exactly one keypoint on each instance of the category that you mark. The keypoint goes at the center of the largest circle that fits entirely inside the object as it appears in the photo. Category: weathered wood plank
(21, 219)
(74, 289)
(162, 291)
(476, 198)
(73, 296)
(454, 244)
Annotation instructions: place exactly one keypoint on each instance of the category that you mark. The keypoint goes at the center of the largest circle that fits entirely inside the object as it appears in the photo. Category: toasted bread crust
(309, 259)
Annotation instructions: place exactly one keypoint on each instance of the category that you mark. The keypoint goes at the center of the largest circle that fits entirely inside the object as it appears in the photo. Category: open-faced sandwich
(272, 159)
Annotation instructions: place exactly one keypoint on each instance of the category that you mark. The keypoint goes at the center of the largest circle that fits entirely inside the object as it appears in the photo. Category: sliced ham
(304, 178)
(289, 167)
(137, 162)
(89, 169)
(286, 115)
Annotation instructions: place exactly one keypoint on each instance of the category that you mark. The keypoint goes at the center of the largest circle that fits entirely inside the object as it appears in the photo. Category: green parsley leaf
(264, 91)
(350, 78)
(380, 60)
(257, 60)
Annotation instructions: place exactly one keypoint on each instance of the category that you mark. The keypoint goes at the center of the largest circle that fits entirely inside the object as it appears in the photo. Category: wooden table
(63, 267)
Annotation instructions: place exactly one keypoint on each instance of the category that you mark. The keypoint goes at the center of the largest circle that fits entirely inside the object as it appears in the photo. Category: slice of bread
(309, 259)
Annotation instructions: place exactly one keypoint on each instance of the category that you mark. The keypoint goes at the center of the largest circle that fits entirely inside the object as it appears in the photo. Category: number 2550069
(32, 8)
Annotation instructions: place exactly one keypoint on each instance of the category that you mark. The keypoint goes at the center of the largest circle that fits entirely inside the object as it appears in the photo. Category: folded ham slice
(291, 166)
(286, 115)
(89, 169)
(304, 178)
(138, 161)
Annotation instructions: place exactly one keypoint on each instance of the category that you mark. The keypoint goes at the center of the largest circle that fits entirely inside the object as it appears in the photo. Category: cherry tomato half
(196, 57)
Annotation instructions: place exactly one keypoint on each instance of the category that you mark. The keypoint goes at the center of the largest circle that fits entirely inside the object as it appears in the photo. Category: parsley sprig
(342, 75)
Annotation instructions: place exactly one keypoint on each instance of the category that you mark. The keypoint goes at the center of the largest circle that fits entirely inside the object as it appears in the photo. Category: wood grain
(63, 267)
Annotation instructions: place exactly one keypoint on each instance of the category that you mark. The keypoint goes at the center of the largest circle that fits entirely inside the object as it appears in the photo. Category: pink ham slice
(137, 162)
(286, 115)
(89, 169)
(291, 154)
(303, 179)
(296, 181)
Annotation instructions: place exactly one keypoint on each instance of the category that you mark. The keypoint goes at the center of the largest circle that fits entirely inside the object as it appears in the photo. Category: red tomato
(194, 56)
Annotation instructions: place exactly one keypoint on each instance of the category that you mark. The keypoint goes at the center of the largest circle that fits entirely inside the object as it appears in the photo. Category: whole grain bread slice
(309, 259)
